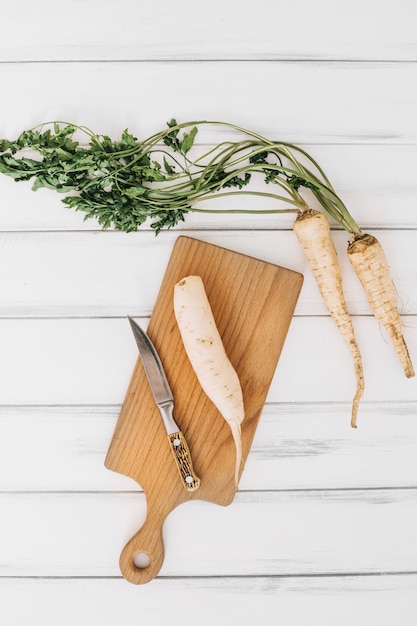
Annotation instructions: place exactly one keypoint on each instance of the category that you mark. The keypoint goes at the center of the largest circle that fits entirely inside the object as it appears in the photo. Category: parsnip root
(312, 229)
(370, 264)
(207, 355)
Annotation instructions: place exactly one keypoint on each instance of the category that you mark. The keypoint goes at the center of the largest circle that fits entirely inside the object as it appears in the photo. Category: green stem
(193, 180)
(245, 211)
(299, 206)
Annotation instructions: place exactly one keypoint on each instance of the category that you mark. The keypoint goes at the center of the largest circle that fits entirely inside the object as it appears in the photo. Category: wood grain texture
(253, 303)
(263, 533)
(89, 361)
(342, 600)
(366, 182)
(298, 445)
(217, 31)
(340, 81)
(364, 111)
(78, 274)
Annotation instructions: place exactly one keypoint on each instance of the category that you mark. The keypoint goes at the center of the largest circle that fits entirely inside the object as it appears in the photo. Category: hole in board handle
(141, 560)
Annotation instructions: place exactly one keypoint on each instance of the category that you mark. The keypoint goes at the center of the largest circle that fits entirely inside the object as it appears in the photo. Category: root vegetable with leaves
(124, 183)
(312, 229)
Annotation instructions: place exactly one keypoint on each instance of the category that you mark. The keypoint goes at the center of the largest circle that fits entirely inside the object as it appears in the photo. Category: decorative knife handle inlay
(182, 456)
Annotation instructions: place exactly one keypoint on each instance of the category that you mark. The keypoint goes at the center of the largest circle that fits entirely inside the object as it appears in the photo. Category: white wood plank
(312, 446)
(271, 98)
(90, 361)
(322, 529)
(385, 600)
(296, 446)
(376, 182)
(114, 274)
(132, 30)
(260, 533)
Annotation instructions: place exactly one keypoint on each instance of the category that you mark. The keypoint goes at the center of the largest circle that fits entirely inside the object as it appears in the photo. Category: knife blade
(164, 400)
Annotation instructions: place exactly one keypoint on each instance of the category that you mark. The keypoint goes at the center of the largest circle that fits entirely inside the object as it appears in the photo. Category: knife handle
(183, 460)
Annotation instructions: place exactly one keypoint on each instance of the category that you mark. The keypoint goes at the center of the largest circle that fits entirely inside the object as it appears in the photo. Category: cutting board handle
(143, 555)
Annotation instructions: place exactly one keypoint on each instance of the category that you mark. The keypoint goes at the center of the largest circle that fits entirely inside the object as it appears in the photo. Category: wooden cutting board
(253, 303)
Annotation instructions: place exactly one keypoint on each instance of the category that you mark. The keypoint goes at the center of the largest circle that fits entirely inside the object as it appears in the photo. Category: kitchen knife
(164, 400)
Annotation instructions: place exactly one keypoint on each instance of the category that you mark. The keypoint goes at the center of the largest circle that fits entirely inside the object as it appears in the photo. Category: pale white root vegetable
(205, 350)
(370, 264)
(312, 229)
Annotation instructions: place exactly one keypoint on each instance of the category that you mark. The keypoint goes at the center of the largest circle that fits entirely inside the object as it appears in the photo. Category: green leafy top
(123, 183)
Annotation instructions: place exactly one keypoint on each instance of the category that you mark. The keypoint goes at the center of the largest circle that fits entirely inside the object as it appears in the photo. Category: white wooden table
(322, 530)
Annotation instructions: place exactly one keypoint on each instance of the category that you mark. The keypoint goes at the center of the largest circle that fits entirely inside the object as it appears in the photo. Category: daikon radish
(205, 350)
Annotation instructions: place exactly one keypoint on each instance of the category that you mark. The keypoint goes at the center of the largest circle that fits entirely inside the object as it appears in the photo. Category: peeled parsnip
(312, 229)
(371, 266)
(207, 355)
